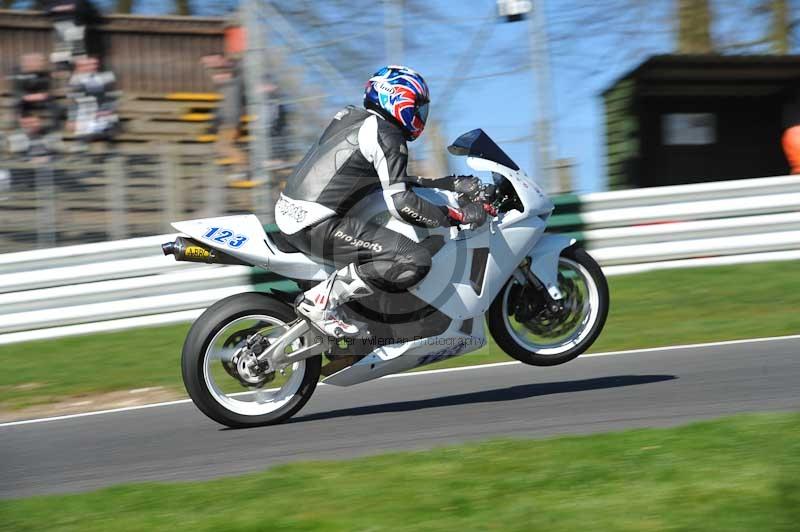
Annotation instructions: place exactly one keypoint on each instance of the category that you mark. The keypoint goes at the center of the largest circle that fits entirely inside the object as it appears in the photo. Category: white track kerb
(478, 367)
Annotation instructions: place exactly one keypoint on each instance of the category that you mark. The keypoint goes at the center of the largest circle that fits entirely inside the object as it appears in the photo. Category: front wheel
(524, 326)
(217, 377)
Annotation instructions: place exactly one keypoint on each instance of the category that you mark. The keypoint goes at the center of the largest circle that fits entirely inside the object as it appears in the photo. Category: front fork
(524, 275)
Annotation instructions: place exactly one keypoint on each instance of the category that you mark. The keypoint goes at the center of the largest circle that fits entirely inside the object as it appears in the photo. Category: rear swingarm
(279, 353)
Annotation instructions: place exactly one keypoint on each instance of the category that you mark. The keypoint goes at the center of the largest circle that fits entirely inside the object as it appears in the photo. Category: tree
(123, 6)
(694, 27)
(7, 4)
(780, 27)
(183, 7)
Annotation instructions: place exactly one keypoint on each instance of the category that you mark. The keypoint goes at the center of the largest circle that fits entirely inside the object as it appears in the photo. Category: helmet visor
(422, 111)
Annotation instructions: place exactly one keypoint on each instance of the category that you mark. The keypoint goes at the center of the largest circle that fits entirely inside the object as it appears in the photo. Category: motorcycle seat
(280, 241)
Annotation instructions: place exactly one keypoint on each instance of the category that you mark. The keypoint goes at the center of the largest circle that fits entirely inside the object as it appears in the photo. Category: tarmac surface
(595, 393)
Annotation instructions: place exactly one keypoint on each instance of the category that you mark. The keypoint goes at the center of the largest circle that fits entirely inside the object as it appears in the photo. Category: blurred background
(120, 117)
(666, 130)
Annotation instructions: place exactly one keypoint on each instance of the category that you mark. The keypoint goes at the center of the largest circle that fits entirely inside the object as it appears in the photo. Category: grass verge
(647, 310)
(740, 473)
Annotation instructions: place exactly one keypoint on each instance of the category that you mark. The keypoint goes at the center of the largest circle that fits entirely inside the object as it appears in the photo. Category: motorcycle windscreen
(477, 143)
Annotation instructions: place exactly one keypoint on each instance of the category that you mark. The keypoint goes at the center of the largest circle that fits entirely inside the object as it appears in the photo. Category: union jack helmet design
(399, 93)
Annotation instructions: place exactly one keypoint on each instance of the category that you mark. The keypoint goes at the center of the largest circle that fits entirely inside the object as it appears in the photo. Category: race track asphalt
(591, 394)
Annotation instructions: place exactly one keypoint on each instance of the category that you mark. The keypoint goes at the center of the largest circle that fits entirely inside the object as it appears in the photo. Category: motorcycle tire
(513, 342)
(194, 365)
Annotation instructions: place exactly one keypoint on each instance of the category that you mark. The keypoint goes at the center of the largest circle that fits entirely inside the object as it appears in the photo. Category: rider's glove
(471, 213)
(469, 186)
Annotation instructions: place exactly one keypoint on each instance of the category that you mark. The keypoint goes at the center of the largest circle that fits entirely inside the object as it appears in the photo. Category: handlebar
(485, 195)
(494, 198)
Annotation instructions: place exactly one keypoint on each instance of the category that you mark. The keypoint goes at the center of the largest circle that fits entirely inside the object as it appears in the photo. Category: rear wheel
(524, 326)
(222, 383)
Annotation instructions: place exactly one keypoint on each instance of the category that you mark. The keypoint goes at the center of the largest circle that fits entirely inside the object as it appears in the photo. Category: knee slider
(409, 269)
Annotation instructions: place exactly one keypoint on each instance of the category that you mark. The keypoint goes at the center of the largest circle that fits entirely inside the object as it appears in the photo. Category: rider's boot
(320, 303)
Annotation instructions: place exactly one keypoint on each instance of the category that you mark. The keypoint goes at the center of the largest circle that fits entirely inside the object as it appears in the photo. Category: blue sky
(592, 44)
(585, 59)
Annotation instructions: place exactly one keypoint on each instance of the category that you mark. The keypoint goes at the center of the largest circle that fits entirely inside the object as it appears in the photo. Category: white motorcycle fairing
(258, 249)
(467, 274)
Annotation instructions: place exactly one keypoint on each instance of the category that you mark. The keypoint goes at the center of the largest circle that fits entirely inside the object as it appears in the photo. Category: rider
(362, 151)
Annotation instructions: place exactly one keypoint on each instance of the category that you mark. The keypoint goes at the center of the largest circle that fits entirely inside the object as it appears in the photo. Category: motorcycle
(251, 360)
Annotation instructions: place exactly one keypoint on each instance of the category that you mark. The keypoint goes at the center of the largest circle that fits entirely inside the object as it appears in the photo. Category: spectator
(225, 74)
(31, 87)
(791, 131)
(275, 120)
(32, 140)
(70, 20)
(93, 110)
(33, 143)
(36, 114)
(229, 80)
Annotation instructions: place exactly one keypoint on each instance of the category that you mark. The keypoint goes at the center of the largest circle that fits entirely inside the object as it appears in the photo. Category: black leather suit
(359, 153)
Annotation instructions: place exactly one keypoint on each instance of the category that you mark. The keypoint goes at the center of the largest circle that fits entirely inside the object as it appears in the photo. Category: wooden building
(148, 55)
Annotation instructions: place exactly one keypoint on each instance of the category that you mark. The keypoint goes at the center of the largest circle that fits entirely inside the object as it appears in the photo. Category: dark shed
(692, 118)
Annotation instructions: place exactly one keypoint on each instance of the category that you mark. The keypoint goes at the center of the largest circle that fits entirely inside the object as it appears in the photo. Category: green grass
(735, 474)
(647, 310)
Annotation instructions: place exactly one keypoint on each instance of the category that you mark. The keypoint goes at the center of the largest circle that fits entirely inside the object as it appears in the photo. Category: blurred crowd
(67, 92)
(65, 102)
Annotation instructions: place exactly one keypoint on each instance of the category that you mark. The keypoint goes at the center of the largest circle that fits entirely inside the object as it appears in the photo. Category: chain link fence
(77, 199)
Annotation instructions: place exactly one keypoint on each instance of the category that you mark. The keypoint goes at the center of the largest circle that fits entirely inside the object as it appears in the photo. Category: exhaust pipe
(188, 250)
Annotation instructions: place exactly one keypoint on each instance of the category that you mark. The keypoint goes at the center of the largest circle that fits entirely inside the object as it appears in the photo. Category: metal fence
(724, 222)
(165, 162)
(85, 198)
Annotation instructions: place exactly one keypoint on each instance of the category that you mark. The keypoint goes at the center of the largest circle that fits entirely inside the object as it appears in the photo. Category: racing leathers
(360, 153)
